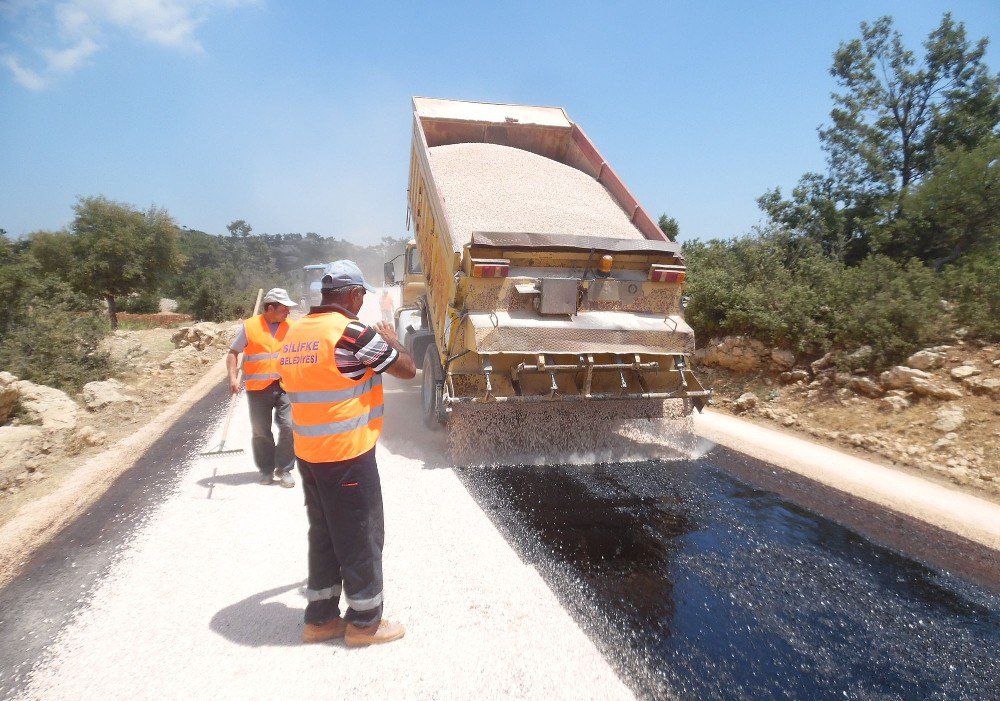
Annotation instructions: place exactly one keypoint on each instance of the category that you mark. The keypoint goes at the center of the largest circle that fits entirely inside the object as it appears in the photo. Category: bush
(140, 303)
(213, 299)
(892, 307)
(974, 286)
(789, 294)
(57, 346)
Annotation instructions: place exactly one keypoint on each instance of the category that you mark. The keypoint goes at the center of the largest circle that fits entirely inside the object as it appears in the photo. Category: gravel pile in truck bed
(488, 187)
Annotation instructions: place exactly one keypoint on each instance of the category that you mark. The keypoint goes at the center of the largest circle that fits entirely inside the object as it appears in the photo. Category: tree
(892, 113)
(889, 123)
(239, 228)
(53, 251)
(121, 250)
(955, 209)
(669, 226)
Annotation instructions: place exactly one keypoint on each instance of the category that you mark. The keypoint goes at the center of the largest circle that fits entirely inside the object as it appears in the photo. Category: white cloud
(25, 76)
(62, 35)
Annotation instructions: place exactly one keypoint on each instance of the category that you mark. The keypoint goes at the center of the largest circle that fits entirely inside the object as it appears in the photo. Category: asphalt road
(719, 577)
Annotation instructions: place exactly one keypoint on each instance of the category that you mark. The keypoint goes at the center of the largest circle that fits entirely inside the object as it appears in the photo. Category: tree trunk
(112, 311)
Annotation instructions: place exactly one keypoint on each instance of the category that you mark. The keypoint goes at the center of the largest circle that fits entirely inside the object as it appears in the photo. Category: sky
(296, 116)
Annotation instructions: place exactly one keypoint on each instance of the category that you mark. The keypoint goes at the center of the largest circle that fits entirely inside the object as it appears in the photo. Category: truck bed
(490, 187)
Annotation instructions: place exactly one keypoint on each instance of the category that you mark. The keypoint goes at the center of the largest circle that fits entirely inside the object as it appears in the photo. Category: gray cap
(279, 296)
(343, 273)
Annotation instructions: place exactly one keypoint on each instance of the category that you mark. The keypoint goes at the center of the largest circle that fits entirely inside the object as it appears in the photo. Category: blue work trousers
(267, 406)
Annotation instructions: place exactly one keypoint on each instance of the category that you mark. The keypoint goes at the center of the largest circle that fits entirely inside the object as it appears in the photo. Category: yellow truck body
(533, 316)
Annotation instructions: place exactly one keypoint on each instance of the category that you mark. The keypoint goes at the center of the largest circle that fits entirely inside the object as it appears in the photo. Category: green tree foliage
(221, 275)
(889, 122)
(787, 294)
(954, 211)
(669, 226)
(120, 250)
(49, 334)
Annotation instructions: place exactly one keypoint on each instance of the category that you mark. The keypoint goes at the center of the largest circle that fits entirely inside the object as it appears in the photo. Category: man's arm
(404, 368)
(232, 367)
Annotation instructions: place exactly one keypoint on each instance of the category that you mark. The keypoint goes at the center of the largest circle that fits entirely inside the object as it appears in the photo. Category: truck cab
(410, 316)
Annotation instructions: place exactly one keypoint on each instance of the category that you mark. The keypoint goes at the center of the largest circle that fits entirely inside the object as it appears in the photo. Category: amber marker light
(604, 266)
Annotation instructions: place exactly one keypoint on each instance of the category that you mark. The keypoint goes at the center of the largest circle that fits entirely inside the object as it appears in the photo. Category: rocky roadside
(938, 413)
(45, 433)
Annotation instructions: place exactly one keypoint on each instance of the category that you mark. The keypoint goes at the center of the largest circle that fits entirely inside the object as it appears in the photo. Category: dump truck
(534, 276)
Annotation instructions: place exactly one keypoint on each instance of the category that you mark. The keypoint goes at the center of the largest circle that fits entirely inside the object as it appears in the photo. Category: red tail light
(484, 267)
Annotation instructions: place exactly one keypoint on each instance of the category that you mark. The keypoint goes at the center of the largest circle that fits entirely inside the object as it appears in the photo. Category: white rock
(893, 403)
(738, 353)
(925, 360)
(901, 377)
(98, 395)
(50, 407)
(745, 402)
(782, 359)
(91, 436)
(865, 386)
(823, 363)
(949, 418)
(8, 400)
(988, 386)
(963, 371)
(929, 389)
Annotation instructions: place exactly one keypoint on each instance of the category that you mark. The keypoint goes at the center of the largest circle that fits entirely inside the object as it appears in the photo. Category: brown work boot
(317, 633)
(382, 632)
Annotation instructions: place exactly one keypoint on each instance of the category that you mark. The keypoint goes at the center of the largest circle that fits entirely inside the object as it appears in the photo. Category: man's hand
(232, 367)
(387, 332)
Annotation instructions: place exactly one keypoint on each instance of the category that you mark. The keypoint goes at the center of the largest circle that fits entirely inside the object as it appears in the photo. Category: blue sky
(296, 116)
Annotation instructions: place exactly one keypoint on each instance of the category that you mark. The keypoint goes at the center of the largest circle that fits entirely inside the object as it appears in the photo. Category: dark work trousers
(266, 406)
(346, 534)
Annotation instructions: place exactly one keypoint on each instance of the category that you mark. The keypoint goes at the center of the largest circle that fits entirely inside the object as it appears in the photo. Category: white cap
(278, 296)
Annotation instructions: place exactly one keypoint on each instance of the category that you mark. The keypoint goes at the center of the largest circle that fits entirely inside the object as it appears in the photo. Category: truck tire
(431, 395)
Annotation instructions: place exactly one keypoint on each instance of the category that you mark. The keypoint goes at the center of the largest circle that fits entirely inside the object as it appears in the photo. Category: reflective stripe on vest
(334, 417)
(260, 357)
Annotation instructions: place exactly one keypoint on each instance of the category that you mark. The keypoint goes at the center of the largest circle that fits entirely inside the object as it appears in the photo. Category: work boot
(382, 632)
(266, 479)
(285, 479)
(318, 632)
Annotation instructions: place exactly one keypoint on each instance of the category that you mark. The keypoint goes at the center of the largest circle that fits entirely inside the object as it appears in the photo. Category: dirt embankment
(46, 435)
(939, 413)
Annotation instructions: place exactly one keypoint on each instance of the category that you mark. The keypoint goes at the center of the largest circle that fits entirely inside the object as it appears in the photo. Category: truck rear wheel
(432, 389)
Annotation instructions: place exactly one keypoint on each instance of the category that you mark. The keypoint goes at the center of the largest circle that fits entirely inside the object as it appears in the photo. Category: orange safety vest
(260, 357)
(333, 417)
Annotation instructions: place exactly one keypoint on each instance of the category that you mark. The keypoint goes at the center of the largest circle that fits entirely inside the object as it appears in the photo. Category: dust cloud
(553, 433)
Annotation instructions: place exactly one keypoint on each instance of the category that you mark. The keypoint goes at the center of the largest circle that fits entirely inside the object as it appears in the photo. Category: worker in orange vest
(331, 365)
(259, 339)
(386, 303)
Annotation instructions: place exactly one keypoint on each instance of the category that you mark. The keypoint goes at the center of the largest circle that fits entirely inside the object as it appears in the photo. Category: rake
(221, 449)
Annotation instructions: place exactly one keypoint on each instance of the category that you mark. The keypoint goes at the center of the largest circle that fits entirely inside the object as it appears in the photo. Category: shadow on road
(231, 480)
(405, 434)
(257, 622)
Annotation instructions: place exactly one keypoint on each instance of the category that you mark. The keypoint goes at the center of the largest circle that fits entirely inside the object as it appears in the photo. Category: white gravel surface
(487, 187)
(970, 516)
(205, 601)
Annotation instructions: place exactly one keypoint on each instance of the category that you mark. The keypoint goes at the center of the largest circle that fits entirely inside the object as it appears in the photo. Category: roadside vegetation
(65, 289)
(897, 244)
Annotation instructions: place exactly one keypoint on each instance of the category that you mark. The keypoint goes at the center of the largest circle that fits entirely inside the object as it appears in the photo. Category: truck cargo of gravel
(544, 282)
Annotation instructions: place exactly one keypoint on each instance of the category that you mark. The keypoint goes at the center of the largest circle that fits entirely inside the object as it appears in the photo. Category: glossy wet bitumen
(697, 585)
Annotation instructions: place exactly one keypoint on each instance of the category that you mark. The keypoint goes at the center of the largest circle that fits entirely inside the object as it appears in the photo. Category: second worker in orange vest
(259, 340)
(331, 365)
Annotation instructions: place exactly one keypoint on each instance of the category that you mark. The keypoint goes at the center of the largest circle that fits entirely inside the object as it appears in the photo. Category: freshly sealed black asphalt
(696, 585)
